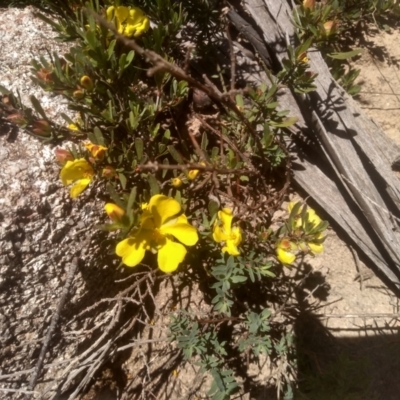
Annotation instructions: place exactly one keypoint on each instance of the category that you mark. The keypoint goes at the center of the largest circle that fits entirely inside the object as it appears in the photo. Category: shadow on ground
(347, 368)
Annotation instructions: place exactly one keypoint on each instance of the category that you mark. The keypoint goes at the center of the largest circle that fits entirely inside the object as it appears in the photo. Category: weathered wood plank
(355, 147)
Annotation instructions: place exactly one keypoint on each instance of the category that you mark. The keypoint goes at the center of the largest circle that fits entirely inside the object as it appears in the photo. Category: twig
(53, 324)
(233, 61)
(155, 166)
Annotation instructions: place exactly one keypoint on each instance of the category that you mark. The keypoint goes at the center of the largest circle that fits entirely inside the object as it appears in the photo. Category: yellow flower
(285, 251)
(161, 222)
(96, 150)
(316, 247)
(129, 21)
(223, 232)
(311, 215)
(78, 171)
(114, 212)
(285, 257)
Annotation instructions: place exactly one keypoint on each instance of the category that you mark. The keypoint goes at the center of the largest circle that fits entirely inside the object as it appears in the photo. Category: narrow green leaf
(139, 148)
(114, 195)
(99, 136)
(175, 155)
(36, 105)
(154, 186)
(346, 55)
(132, 198)
(122, 179)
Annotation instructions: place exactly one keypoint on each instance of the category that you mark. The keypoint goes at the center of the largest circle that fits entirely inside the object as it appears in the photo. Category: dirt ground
(351, 352)
(359, 310)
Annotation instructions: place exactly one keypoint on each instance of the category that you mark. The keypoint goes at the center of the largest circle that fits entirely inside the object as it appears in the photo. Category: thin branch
(53, 324)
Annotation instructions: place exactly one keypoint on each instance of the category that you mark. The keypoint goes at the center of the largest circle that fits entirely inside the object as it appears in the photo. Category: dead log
(353, 182)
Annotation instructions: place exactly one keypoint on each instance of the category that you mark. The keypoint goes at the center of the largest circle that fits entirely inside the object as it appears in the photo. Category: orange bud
(41, 127)
(330, 26)
(63, 155)
(109, 172)
(114, 212)
(44, 75)
(87, 83)
(309, 4)
(17, 119)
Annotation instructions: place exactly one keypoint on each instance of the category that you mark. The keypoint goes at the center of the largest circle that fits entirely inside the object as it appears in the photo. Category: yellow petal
(110, 13)
(237, 235)
(132, 250)
(316, 248)
(218, 233)
(114, 212)
(79, 187)
(181, 230)
(122, 14)
(231, 248)
(291, 205)
(74, 170)
(285, 257)
(226, 216)
(142, 27)
(170, 256)
(163, 208)
(313, 217)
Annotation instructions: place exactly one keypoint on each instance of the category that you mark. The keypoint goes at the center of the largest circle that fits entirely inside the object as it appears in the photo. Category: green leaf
(354, 90)
(139, 148)
(346, 55)
(114, 195)
(132, 198)
(175, 155)
(285, 123)
(4, 91)
(122, 179)
(99, 136)
(36, 105)
(238, 279)
(213, 208)
(154, 186)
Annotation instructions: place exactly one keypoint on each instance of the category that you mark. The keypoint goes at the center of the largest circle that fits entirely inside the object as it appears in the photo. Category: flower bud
(78, 94)
(192, 174)
(114, 212)
(176, 182)
(87, 83)
(17, 118)
(330, 27)
(109, 172)
(63, 155)
(41, 127)
(309, 4)
(44, 75)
